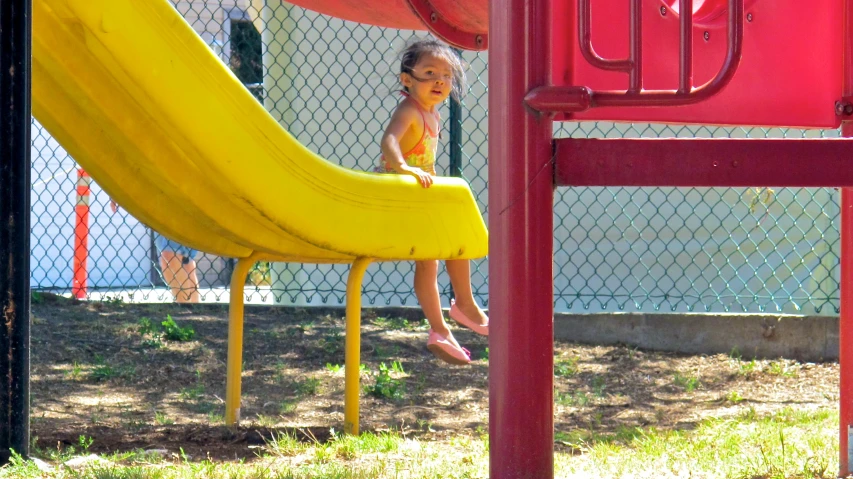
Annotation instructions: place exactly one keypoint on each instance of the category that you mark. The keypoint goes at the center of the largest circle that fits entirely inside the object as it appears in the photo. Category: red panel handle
(570, 99)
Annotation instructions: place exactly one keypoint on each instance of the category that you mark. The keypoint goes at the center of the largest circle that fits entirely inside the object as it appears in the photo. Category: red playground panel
(790, 73)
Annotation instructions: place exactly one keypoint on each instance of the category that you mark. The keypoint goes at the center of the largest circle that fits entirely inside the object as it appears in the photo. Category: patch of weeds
(294, 332)
(173, 332)
(386, 386)
(783, 368)
(145, 326)
(152, 343)
(280, 375)
(748, 368)
(76, 369)
(749, 415)
(425, 425)
(573, 439)
(323, 454)
(598, 383)
(161, 419)
(193, 393)
(266, 421)
(420, 384)
(105, 372)
(347, 446)
(168, 330)
(485, 354)
(215, 418)
(20, 467)
(284, 444)
(383, 353)
(734, 397)
(735, 354)
(573, 399)
(689, 384)
(566, 367)
(203, 407)
(307, 387)
(85, 442)
(287, 407)
(391, 323)
(128, 421)
(332, 343)
(334, 368)
(112, 299)
(36, 297)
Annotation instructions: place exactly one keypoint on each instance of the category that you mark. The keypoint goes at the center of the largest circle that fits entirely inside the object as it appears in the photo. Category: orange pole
(79, 286)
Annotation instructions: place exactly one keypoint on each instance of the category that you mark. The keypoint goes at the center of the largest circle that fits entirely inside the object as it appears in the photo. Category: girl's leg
(459, 271)
(184, 285)
(191, 289)
(426, 289)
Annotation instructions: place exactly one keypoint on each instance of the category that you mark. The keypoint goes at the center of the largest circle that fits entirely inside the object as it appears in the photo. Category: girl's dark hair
(420, 48)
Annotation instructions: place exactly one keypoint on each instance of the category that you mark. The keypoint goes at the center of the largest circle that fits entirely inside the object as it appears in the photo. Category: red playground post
(521, 301)
(79, 286)
(845, 323)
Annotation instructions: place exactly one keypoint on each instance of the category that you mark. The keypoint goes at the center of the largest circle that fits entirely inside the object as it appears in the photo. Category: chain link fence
(333, 84)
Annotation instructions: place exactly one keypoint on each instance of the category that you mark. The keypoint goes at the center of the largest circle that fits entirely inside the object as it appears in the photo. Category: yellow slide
(139, 100)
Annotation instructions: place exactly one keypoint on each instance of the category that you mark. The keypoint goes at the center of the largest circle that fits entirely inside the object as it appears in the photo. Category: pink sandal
(445, 350)
(457, 315)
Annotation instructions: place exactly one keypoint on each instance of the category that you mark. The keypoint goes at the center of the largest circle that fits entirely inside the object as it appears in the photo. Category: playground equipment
(631, 79)
(744, 62)
(139, 100)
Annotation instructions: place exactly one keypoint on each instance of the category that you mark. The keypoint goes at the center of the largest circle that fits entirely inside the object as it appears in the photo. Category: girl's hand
(422, 176)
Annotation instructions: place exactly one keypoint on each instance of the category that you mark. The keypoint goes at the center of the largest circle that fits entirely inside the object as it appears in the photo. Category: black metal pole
(15, 90)
(456, 134)
(455, 138)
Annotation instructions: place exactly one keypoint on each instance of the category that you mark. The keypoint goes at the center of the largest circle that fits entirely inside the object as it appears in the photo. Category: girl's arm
(403, 118)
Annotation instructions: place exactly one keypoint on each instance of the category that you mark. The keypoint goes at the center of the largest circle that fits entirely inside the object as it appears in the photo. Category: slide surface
(137, 98)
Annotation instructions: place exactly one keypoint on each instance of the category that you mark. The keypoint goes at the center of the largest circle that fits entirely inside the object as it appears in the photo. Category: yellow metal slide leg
(235, 340)
(353, 345)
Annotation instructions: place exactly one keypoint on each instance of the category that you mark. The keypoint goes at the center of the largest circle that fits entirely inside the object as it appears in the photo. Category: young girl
(429, 71)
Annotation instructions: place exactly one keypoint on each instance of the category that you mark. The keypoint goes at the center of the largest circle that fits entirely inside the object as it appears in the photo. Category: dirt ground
(104, 371)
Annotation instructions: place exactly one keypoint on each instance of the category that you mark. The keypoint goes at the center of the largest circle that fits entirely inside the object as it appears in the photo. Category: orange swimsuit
(422, 155)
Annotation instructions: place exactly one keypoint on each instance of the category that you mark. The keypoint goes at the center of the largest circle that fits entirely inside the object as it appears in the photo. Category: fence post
(79, 285)
(15, 68)
(456, 135)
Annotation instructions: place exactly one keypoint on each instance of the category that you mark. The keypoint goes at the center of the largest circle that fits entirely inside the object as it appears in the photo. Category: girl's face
(430, 81)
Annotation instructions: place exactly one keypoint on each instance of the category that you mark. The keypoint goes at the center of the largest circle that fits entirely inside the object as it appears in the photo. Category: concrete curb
(760, 336)
(805, 338)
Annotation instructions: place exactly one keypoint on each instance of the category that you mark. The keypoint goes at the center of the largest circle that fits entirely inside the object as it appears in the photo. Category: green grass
(787, 444)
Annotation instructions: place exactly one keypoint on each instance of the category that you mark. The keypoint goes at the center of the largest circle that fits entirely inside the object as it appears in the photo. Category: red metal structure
(775, 64)
(724, 62)
(755, 63)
